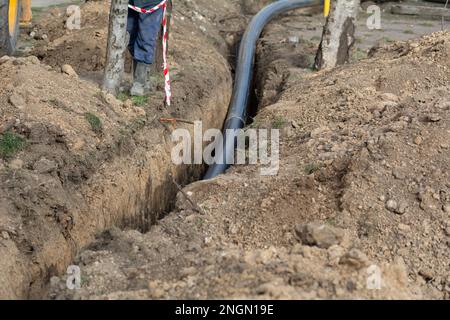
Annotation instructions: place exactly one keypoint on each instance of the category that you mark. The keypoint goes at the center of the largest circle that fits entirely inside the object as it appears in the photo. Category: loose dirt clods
(359, 210)
(92, 161)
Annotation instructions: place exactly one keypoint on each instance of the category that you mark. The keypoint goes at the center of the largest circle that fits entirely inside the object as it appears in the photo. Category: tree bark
(117, 44)
(338, 34)
(26, 11)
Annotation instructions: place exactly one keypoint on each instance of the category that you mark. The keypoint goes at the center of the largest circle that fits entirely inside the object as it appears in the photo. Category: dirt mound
(359, 209)
(84, 49)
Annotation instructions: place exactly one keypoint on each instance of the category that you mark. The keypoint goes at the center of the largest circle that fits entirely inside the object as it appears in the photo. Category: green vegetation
(311, 168)
(94, 121)
(359, 54)
(122, 96)
(408, 31)
(137, 124)
(139, 101)
(331, 221)
(84, 280)
(279, 123)
(426, 24)
(10, 144)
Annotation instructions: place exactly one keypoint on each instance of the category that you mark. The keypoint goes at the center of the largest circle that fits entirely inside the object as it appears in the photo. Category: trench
(241, 98)
(156, 198)
(244, 105)
(162, 196)
(131, 189)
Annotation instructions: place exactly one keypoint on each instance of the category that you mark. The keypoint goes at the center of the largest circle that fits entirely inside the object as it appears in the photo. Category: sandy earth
(363, 191)
(363, 186)
(82, 160)
(360, 207)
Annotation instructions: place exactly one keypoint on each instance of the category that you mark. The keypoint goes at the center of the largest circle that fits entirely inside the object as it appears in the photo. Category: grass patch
(331, 221)
(94, 121)
(139, 101)
(199, 222)
(84, 281)
(122, 96)
(408, 31)
(311, 168)
(10, 144)
(137, 124)
(426, 24)
(359, 54)
(279, 123)
(387, 40)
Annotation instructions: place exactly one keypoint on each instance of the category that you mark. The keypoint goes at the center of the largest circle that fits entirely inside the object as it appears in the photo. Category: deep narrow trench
(241, 225)
(156, 199)
(163, 198)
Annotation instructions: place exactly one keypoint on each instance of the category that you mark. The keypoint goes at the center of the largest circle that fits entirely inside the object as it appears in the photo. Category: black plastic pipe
(237, 112)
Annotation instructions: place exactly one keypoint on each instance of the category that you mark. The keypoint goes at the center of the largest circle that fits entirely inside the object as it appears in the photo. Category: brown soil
(364, 183)
(72, 180)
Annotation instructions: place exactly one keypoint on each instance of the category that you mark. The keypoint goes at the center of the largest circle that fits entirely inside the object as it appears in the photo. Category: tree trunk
(117, 44)
(26, 11)
(338, 34)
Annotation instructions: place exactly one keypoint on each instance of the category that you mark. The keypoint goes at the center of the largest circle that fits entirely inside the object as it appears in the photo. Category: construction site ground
(363, 188)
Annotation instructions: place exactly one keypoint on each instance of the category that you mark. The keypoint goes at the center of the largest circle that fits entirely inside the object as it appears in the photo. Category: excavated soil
(363, 187)
(363, 190)
(76, 161)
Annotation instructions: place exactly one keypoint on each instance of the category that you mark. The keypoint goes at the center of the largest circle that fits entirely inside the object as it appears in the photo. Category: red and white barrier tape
(162, 5)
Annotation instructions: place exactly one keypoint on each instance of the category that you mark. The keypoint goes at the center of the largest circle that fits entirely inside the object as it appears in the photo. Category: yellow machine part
(326, 7)
(12, 15)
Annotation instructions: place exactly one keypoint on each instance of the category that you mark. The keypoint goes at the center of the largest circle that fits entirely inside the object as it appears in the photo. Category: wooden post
(338, 34)
(117, 44)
